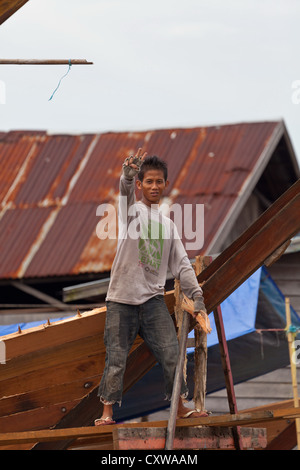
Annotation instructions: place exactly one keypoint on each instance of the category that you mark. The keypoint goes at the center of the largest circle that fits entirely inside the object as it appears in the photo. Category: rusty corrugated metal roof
(51, 186)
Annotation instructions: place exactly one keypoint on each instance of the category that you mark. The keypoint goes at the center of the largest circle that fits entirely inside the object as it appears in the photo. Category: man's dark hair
(153, 163)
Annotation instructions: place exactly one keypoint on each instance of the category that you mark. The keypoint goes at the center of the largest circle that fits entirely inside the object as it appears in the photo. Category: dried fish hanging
(200, 353)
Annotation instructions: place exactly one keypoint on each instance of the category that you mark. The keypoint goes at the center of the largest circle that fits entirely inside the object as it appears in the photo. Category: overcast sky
(157, 64)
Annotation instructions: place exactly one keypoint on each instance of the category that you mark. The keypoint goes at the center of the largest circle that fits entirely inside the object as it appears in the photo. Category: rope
(292, 329)
(70, 65)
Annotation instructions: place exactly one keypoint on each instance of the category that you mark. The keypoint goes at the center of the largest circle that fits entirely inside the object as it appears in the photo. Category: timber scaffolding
(74, 342)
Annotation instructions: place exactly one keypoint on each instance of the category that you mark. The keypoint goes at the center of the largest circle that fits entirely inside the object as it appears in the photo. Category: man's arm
(182, 269)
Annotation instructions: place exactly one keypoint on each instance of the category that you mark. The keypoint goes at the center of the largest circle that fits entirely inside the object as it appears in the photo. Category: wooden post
(293, 365)
(177, 383)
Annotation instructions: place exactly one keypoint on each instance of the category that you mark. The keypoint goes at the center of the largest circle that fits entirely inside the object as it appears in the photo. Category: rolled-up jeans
(152, 321)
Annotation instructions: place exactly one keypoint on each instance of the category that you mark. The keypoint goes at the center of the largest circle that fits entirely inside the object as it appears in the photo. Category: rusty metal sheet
(19, 231)
(55, 163)
(51, 185)
(66, 239)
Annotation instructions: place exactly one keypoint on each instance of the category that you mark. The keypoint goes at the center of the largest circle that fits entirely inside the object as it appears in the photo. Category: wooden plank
(46, 336)
(228, 420)
(64, 353)
(104, 442)
(8, 8)
(188, 438)
(48, 377)
(38, 418)
(90, 407)
(285, 440)
(276, 426)
(53, 376)
(44, 397)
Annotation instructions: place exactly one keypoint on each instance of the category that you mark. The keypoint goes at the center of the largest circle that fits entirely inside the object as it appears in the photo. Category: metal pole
(177, 382)
(228, 374)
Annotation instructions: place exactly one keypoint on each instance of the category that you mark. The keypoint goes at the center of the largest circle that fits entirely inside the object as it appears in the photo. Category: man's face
(152, 186)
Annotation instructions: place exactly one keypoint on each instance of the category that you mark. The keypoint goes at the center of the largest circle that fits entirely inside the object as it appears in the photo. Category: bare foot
(185, 412)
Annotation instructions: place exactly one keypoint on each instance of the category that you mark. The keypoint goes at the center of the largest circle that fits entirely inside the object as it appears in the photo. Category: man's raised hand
(132, 165)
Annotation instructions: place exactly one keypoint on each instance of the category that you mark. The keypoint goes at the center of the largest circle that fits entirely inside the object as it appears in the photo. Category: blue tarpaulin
(238, 311)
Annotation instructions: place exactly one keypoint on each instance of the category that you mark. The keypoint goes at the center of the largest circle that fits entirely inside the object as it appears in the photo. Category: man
(148, 245)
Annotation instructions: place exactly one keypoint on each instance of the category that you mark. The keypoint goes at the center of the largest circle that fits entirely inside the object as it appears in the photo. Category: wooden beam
(228, 420)
(286, 440)
(275, 428)
(45, 62)
(9, 7)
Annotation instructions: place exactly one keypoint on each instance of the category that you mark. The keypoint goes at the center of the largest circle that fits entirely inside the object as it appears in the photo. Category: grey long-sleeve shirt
(148, 244)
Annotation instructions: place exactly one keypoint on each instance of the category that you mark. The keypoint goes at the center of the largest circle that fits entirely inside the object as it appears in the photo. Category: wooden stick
(177, 382)
(293, 366)
(44, 62)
